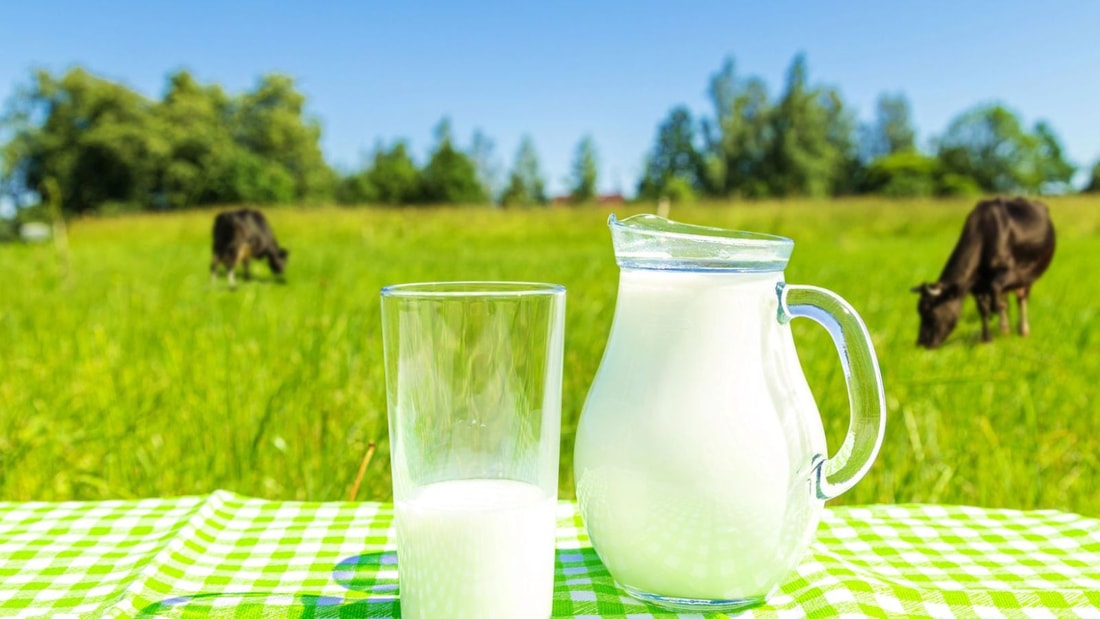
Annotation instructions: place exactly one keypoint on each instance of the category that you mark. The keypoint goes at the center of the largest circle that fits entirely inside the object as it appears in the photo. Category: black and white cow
(1006, 244)
(240, 236)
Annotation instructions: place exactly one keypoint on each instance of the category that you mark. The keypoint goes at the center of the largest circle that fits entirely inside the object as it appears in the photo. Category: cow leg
(1021, 302)
(997, 294)
(214, 269)
(239, 258)
(1002, 312)
(985, 303)
(231, 267)
(244, 254)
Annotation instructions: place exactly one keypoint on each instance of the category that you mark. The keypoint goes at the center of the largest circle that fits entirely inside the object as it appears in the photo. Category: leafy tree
(196, 121)
(394, 176)
(238, 150)
(585, 172)
(525, 185)
(675, 154)
(482, 152)
(679, 190)
(989, 144)
(892, 131)
(270, 122)
(241, 176)
(355, 188)
(450, 176)
(1093, 185)
(805, 157)
(722, 90)
(952, 184)
(842, 135)
(1054, 171)
(100, 140)
(740, 135)
(905, 173)
(111, 148)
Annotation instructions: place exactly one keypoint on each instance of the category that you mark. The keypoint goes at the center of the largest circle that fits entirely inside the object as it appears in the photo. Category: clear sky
(559, 70)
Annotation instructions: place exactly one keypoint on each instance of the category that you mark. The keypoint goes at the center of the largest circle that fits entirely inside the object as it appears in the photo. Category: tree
(674, 155)
(842, 135)
(678, 190)
(952, 184)
(892, 131)
(196, 121)
(450, 176)
(525, 185)
(270, 122)
(989, 144)
(805, 156)
(355, 188)
(483, 154)
(109, 147)
(394, 176)
(585, 172)
(905, 173)
(740, 135)
(1054, 171)
(1094, 181)
(236, 150)
(239, 175)
(99, 139)
(722, 90)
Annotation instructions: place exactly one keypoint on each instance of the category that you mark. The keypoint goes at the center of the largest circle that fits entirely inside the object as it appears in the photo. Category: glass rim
(472, 288)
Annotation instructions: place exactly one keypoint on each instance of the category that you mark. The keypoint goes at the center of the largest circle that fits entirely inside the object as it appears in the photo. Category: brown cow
(240, 236)
(1006, 244)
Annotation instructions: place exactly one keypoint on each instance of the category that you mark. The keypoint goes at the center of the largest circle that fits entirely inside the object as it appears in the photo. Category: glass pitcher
(700, 459)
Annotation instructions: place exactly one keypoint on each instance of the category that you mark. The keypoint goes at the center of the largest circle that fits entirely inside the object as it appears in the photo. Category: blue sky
(560, 70)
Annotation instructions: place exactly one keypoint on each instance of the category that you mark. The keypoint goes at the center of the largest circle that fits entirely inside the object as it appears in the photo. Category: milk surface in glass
(476, 548)
(695, 443)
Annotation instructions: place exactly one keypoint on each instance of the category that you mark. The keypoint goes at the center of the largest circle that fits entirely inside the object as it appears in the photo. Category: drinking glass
(473, 388)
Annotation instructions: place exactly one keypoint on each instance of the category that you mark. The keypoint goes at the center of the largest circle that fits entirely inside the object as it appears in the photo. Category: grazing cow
(240, 236)
(1006, 244)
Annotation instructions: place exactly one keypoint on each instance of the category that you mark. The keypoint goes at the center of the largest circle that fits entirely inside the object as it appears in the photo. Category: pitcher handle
(835, 476)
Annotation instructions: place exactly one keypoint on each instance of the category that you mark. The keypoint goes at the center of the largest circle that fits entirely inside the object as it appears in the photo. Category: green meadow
(125, 373)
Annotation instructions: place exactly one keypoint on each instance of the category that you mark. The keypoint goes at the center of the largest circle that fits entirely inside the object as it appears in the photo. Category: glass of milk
(473, 385)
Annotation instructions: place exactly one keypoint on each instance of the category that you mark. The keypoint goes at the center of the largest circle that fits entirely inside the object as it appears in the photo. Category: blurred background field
(129, 375)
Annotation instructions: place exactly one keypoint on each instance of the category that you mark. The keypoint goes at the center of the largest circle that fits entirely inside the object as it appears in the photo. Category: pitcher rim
(740, 237)
(654, 243)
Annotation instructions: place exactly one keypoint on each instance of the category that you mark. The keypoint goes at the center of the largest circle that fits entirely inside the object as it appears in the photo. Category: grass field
(131, 376)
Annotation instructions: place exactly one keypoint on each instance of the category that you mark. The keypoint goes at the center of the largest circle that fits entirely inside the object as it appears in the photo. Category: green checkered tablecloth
(224, 555)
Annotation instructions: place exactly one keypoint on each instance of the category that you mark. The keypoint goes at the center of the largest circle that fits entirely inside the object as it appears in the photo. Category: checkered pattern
(229, 556)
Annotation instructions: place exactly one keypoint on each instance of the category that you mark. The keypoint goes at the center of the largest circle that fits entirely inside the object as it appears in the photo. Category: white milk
(477, 549)
(694, 447)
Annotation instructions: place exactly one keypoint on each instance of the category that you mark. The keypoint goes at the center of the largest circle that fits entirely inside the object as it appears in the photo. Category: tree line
(93, 145)
(805, 141)
(89, 144)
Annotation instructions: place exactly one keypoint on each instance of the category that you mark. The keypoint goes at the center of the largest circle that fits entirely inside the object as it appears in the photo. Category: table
(225, 555)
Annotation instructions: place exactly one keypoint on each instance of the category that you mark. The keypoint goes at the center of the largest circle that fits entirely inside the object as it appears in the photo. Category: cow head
(939, 307)
(277, 260)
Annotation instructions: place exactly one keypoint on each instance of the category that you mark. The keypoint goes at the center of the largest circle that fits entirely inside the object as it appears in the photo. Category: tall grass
(132, 376)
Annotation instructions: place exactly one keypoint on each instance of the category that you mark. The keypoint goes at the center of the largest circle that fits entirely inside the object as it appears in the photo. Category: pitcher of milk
(700, 458)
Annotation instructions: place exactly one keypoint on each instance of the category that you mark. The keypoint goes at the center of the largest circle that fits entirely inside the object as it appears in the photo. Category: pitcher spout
(652, 242)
